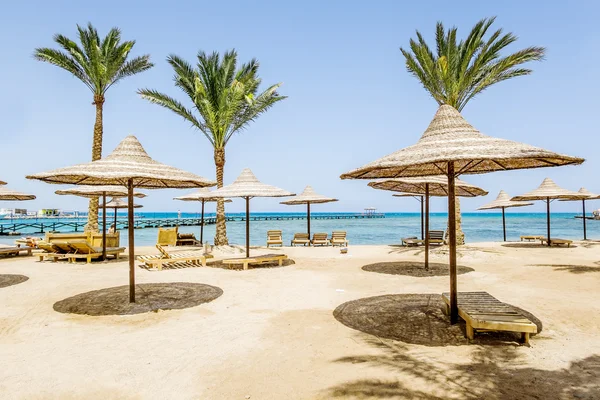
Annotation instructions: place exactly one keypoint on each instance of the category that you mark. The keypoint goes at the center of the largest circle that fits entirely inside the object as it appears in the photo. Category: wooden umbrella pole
(202, 224)
(115, 219)
(452, 243)
(548, 218)
(308, 219)
(103, 226)
(504, 224)
(584, 225)
(426, 225)
(422, 237)
(131, 240)
(247, 227)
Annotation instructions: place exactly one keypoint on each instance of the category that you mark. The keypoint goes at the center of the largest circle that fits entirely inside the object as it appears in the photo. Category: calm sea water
(478, 227)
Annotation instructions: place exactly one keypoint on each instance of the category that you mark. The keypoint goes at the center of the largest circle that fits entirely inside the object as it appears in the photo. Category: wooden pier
(142, 223)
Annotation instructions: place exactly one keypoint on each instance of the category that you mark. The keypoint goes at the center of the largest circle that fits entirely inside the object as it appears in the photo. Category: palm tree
(99, 64)
(224, 100)
(459, 71)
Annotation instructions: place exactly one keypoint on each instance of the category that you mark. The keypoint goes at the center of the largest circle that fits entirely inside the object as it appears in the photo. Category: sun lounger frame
(256, 260)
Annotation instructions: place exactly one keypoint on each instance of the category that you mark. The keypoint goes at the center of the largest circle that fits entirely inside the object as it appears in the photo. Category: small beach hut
(590, 196)
(248, 186)
(128, 165)
(452, 147)
(548, 191)
(428, 186)
(503, 202)
(11, 195)
(117, 204)
(99, 191)
(203, 195)
(308, 197)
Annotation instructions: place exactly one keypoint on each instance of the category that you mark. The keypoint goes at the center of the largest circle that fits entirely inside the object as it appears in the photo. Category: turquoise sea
(478, 227)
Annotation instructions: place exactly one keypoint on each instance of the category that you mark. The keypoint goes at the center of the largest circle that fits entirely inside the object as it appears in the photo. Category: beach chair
(83, 250)
(15, 251)
(557, 242)
(339, 238)
(482, 311)
(412, 241)
(300, 238)
(187, 239)
(274, 238)
(167, 237)
(320, 239)
(258, 260)
(157, 261)
(51, 251)
(530, 238)
(436, 237)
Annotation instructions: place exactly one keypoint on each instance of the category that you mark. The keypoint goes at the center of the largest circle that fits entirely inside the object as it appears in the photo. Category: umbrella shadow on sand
(572, 268)
(492, 373)
(7, 280)
(414, 268)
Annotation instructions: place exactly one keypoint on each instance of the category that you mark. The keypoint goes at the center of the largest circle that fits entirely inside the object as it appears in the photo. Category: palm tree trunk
(460, 235)
(92, 223)
(221, 234)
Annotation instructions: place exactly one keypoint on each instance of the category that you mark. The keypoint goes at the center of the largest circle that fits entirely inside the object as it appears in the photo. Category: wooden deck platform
(483, 312)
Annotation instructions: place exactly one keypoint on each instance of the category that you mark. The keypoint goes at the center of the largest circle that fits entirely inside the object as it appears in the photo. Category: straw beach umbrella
(248, 186)
(204, 195)
(117, 204)
(590, 196)
(503, 202)
(2, 183)
(128, 165)
(308, 197)
(428, 186)
(451, 146)
(547, 192)
(99, 191)
(11, 195)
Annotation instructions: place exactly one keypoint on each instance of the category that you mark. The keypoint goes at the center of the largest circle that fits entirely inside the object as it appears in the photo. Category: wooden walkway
(141, 223)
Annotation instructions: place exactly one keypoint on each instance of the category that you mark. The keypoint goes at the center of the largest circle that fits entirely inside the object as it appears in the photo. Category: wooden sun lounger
(483, 312)
(300, 238)
(339, 238)
(320, 239)
(256, 260)
(274, 238)
(83, 250)
(15, 251)
(436, 237)
(51, 251)
(157, 261)
(187, 239)
(531, 238)
(557, 242)
(412, 241)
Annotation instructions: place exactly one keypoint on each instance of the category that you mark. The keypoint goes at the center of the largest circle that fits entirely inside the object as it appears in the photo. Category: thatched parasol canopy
(589, 196)
(2, 183)
(119, 204)
(451, 146)
(308, 196)
(129, 161)
(98, 191)
(438, 186)
(247, 186)
(11, 195)
(503, 201)
(450, 137)
(129, 165)
(549, 190)
(203, 195)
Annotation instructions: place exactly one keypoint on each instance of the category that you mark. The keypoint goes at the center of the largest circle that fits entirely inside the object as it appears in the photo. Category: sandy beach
(272, 333)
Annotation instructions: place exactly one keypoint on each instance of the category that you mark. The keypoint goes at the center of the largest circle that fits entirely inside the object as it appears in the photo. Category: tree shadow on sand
(149, 297)
(7, 280)
(416, 319)
(572, 268)
(414, 268)
(493, 373)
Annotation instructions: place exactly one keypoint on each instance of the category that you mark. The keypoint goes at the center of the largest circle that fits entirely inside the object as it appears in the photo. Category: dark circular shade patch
(414, 319)
(10, 279)
(149, 297)
(414, 268)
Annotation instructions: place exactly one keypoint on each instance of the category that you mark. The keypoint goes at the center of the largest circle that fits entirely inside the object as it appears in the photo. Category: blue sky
(350, 98)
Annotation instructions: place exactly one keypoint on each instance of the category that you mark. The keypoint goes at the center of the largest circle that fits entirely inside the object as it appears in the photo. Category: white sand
(271, 335)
